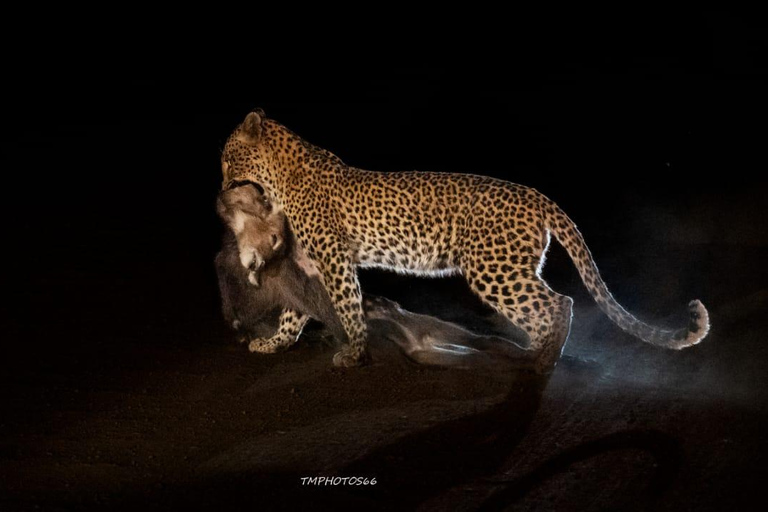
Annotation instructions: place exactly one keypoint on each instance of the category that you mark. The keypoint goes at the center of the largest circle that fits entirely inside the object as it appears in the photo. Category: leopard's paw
(264, 346)
(347, 358)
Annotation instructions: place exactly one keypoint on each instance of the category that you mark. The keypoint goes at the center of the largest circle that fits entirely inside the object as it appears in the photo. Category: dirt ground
(174, 414)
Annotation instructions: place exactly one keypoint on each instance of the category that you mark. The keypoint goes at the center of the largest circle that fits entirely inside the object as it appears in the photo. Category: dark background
(652, 138)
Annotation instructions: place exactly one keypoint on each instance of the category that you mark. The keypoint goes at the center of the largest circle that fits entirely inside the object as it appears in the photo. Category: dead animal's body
(253, 292)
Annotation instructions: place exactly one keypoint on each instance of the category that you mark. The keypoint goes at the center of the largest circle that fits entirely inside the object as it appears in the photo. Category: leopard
(493, 232)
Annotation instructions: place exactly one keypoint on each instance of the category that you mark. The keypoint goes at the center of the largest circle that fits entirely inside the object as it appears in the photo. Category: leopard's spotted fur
(493, 232)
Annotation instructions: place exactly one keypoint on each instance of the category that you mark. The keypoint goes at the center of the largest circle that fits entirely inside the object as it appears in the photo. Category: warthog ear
(247, 197)
(221, 208)
(277, 242)
(250, 129)
(245, 183)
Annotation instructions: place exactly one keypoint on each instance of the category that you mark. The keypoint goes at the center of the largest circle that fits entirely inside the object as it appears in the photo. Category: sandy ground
(172, 413)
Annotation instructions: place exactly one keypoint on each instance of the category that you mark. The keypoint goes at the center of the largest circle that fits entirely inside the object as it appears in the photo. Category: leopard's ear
(250, 130)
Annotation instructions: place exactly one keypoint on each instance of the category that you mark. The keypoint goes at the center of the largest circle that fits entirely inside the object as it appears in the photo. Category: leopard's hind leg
(518, 292)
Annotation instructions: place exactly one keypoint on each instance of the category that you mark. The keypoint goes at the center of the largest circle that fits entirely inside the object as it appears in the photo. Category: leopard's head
(248, 154)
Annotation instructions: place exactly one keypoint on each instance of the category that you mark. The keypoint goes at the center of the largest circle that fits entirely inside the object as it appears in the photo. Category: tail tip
(698, 326)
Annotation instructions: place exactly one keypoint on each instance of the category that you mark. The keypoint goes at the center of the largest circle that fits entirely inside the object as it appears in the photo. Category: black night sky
(652, 140)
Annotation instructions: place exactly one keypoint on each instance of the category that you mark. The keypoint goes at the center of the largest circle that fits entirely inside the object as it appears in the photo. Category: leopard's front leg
(288, 331)
(344, 290)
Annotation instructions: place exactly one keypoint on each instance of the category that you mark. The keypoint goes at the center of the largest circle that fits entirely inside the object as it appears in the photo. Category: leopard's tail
(564, 229)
